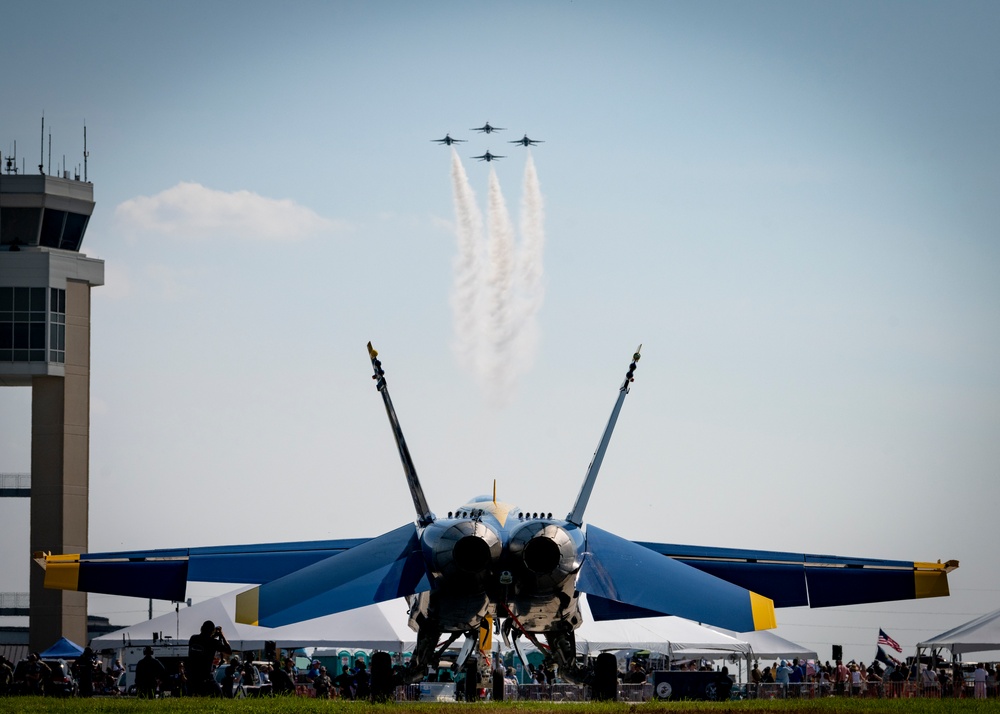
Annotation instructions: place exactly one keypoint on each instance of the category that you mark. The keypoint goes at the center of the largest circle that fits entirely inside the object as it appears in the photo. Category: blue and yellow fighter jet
(490, 562)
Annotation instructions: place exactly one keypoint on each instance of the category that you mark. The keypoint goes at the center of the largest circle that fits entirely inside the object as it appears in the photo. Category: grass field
(281, 705)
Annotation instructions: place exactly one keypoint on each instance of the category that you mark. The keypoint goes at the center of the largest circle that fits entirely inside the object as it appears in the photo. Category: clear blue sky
(792, 205)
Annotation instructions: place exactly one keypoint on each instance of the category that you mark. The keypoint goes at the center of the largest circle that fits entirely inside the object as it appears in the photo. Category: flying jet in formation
(525, 141)
(448, 140)
(487, 129)
(489, 157)
(488, 562)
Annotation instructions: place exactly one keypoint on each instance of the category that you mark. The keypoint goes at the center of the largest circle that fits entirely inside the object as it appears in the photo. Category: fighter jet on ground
(490, 561)
(525, 141)
(489, 157)
(487, 129)
(448, 140)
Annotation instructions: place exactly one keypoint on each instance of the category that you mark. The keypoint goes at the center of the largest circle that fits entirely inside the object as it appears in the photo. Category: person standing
(323, 684)
(841, 676)
(202, 649)
(979, 682)
(149, 672)
(6, 675)
(180, 681)
(345, 683)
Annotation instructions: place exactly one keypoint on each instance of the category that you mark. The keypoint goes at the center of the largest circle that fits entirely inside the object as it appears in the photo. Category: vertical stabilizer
(576, 515)
(424, 515)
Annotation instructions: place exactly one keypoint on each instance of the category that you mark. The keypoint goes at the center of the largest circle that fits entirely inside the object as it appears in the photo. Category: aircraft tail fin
(576, 515)
(424, 515)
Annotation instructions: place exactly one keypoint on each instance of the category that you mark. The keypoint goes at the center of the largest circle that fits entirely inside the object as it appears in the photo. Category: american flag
(884, 639)
(885, 658)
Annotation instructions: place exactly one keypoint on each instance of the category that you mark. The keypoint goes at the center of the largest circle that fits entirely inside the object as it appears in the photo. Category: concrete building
(45, 284)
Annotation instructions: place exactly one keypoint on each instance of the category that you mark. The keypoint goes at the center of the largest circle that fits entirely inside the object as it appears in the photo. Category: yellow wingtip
(372, 352)
(62, 572)
(763, 612)
(247, 607)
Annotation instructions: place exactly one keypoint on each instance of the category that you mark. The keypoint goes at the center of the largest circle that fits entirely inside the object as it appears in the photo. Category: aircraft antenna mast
(424, 515)
(576, 515)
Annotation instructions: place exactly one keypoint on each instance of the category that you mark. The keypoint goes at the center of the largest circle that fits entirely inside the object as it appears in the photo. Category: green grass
(288, 705)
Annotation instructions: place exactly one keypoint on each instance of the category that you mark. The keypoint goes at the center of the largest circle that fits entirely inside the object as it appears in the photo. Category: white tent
(674, 636)
(381, 626)
(979, 635)
(767, 645)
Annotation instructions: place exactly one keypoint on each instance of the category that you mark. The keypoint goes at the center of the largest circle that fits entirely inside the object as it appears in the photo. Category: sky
(791, 205)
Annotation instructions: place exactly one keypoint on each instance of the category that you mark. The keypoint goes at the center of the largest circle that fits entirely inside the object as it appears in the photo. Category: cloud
(190, 211)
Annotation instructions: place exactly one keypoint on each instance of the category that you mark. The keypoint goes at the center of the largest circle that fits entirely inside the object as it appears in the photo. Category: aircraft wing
(616, 571)
(797, 579)
(164, 573)
(383, 568)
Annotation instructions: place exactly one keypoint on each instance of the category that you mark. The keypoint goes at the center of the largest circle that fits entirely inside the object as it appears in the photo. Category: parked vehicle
(250, 684)
(58, 682)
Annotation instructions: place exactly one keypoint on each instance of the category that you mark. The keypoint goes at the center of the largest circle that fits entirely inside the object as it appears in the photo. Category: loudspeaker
(838, 652)
(382, 684)
(605, 684)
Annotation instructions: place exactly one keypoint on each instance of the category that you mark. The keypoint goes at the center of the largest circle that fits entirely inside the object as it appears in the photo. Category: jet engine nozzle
(546, 553)
(462, 548)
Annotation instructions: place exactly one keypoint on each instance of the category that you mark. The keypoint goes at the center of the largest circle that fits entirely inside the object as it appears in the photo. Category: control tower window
(22, 324)
(57, 325)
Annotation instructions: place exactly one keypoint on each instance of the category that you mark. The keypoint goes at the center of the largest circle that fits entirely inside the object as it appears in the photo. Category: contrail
(529, 288)
(500, 321)
(465, 303)
(498, 288)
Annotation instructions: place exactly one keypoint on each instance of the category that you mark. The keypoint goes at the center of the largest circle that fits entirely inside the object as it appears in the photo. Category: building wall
(60, 458)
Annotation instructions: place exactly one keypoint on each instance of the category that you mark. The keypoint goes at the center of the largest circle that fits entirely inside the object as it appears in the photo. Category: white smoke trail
(529, 288)
(498, 288)
(466, 304)
(499, 323)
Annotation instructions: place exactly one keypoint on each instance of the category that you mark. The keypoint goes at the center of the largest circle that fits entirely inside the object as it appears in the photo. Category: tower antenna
(85, 152)
(41, 149)
(50, 151)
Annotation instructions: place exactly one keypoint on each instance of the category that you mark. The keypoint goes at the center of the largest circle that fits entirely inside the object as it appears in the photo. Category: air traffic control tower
(45, 284)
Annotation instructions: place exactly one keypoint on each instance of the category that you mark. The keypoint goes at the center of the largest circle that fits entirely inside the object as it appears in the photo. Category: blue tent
(63, 649)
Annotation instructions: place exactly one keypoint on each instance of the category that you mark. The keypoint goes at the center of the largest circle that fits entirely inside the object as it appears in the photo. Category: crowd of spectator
(933, 679)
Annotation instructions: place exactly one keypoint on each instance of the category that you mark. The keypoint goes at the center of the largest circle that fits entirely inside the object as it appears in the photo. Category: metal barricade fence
(533, 692)
(772, 690)
(635, 692)
(567, 693)
(408, 693)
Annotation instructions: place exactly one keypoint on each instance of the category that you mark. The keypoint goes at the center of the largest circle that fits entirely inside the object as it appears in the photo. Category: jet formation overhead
(487, 129)
(448, 140)
(525, 141)
(489, 561)
(488, 156)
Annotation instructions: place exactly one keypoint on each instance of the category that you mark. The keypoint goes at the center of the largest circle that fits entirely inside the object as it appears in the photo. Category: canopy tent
(978, 635)
(767, 645)
(62, 649)
(670, 635)
(674, 636)
(381, 626)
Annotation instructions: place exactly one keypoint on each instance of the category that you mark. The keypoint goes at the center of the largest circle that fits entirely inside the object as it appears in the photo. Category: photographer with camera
(202, 649)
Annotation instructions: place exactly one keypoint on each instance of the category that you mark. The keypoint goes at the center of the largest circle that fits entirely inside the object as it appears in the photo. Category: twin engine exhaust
(540, 552)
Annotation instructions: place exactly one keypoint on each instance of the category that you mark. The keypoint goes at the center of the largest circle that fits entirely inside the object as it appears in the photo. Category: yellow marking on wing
(763, 612)
(62, 572)
(930, 583)
(247, 607)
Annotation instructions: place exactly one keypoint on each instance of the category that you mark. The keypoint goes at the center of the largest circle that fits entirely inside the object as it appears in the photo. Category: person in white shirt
(979, 681)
